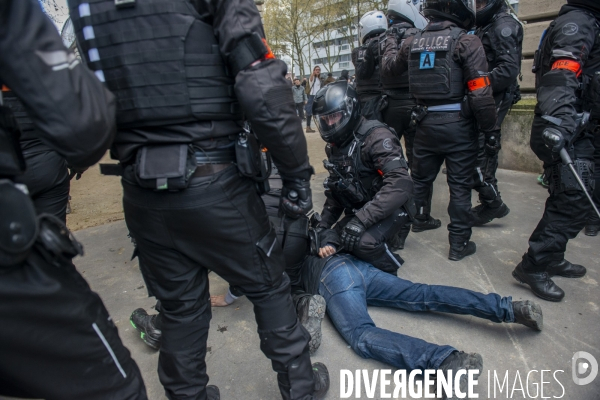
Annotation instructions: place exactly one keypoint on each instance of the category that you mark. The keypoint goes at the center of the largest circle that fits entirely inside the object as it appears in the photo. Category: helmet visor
(481, 4)
(328, 124)
(471, 4)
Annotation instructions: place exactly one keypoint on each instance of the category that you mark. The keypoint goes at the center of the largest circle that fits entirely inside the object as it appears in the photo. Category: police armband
(250, 49)
(478, 83)
(569, 65)
(18, 225)
(396, 163)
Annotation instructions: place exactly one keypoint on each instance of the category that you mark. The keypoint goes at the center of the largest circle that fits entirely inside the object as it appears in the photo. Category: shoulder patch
(506, 32)
(570, 29)
(387, 144)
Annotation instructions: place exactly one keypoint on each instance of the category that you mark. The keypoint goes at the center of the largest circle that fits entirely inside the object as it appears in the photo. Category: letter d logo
(582, 367)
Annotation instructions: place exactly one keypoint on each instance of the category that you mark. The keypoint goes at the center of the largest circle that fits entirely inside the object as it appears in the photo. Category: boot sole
(569, 275)
(504, 214)
(553, 299)
(149, 340)
(537, 318)
(477, 364)
(316, 313)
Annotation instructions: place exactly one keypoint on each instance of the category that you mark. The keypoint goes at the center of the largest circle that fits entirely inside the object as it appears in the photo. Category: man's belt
(444, 107)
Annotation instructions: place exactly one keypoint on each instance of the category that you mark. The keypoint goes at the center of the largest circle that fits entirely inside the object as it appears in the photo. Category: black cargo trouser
(565, 214)
(593, 219)
(485, 172)
(446, 136)
(398, 114)
(218, 222)
(47, 179)
(372, 247)
(57, 340)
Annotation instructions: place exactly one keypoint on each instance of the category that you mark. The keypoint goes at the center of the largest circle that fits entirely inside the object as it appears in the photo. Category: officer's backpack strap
(367, 127)
(18, 224)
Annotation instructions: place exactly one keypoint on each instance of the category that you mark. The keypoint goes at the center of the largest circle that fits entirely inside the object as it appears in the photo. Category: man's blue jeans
(349, 285)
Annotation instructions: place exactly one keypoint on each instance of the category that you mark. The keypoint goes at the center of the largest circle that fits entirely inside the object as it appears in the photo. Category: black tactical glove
(76, 172)
(492, 143)
(554, 140)
(296, 197)
(352, 233)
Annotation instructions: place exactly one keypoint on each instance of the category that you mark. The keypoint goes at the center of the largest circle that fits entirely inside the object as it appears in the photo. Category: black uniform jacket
(379, 148)
(469, 53)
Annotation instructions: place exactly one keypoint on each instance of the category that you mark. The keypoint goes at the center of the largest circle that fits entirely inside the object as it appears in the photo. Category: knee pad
(561, 177)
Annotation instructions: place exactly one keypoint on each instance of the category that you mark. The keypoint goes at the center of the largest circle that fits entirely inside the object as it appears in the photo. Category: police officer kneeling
(368, 177)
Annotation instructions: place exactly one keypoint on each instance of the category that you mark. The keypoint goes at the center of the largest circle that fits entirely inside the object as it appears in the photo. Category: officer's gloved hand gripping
(267, 102)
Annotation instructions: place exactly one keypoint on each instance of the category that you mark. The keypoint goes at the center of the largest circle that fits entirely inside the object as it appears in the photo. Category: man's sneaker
(566, 269)
(458, 252)
(543, 180)
(311, 311)
(591, 230)
(147, 326)
(456, 361)
(540, 283)
(321, 377)
(213, 393)
(484, 213)
(529, 314)
(420, 225)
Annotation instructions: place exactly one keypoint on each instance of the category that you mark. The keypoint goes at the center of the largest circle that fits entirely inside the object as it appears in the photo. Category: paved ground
(237, 366)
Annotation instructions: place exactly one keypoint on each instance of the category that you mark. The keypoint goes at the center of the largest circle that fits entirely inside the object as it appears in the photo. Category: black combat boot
(213, 393)
(529, 314)
(486, 212)
(397, 242)
(148, 326)
(458, 251)
(591, 230)
(566, 269)
(321, 376)
(311, 311)
(457, 361)
(540, 283)
(424, 222)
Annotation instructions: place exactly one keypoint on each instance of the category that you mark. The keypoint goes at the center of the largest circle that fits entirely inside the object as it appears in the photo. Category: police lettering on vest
(433, 72)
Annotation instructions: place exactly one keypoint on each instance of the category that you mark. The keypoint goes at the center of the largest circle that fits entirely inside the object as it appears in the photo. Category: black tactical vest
(434, 76)
(588, 98)
(367, 86)
(397, 83)
(359, 183)
(159, 58)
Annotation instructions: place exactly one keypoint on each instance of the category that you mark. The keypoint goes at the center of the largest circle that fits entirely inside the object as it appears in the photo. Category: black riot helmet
(593, 5)
(336, 111)
(461, 12)
(486, 9)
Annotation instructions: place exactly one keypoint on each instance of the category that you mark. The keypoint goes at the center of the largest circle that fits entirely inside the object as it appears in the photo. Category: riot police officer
(368, 178)
(502, 37)
(448, 77)
(593, 224)
(366, 63)
(183, 82)
(404, 21)
(568, 86)
(56, 338)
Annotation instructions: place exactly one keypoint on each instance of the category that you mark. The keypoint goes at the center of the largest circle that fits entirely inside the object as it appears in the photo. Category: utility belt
(561, 178)
(420, 111)
(22, 231)
(171, 167)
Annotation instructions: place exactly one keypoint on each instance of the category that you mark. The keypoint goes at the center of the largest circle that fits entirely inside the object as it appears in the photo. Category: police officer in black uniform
(593, 224)
(57, 340)
(368, 178)
(184, 73)
(404, 21)
(448, 77)
(366, 63)
(568, 86)
(502, 37)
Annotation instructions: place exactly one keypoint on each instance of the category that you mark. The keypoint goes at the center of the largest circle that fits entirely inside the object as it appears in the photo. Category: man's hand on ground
(218, 301)
(326, 251)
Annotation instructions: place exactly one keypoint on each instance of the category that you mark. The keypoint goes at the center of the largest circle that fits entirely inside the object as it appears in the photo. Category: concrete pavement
(237, 366)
